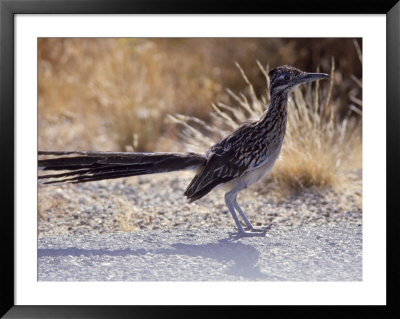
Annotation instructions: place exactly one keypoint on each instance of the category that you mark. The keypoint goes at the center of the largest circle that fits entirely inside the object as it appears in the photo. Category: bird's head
(285, 78)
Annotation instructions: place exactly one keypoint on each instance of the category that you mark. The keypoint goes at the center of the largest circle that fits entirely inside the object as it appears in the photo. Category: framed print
(194, 155)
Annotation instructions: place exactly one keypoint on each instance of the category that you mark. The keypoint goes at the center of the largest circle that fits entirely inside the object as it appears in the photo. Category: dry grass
(321, 149)
(109, 87)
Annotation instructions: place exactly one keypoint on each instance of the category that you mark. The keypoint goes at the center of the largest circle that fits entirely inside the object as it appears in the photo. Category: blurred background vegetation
(114, 94)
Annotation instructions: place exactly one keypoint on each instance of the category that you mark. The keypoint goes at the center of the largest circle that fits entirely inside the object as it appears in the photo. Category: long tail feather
(78, 167)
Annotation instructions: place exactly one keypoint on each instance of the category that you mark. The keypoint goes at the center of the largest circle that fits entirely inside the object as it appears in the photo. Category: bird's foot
(250, 232)
(262, 229)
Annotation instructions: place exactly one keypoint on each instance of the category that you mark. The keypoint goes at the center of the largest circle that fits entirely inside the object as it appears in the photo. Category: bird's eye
(287, 77)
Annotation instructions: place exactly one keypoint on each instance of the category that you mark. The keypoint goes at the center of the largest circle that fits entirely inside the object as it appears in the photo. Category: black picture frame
(8, 10)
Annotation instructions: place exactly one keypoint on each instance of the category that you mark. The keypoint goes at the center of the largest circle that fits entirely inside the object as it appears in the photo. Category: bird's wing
(217, 170)
(226, 160)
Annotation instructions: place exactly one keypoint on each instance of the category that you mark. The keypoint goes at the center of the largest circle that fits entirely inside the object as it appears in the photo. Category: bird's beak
(309, 77)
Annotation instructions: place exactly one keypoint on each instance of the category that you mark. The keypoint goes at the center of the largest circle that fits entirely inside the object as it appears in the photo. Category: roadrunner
(236, 162)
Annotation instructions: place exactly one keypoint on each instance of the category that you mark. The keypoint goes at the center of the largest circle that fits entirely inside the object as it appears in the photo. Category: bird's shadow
(240, 259)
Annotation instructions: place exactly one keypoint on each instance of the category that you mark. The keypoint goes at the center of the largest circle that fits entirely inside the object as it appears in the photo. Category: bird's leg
(230, 199)
(241, 213)
(245, 219)
(229, 203)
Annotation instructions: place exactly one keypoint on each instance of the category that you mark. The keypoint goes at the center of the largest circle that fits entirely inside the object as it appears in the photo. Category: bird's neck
(276, 113)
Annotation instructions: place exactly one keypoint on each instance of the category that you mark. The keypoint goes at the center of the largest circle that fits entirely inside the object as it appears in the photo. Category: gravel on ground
(156, 202)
